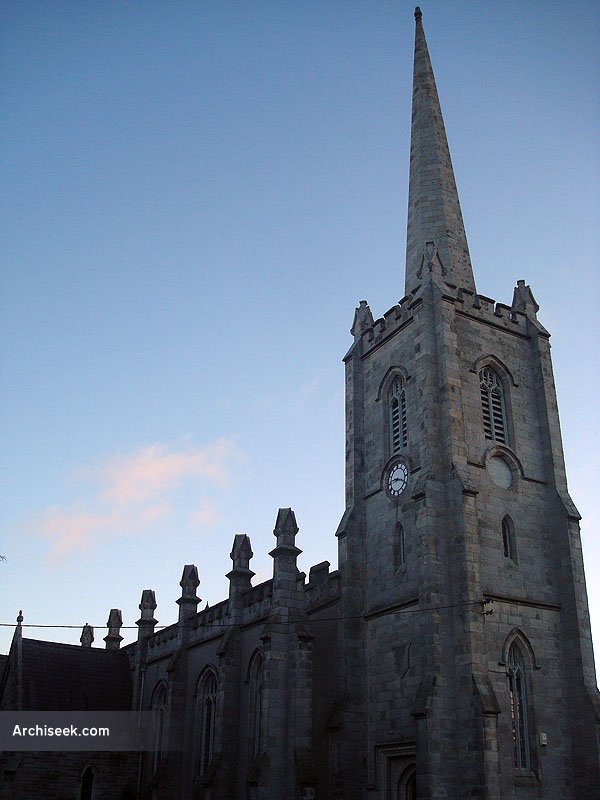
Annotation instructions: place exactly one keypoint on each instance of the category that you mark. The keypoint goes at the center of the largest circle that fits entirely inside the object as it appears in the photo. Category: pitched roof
(65, 677)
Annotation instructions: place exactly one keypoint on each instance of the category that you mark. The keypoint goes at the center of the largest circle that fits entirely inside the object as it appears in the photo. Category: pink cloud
(152, 471)
(69, 531)
(72, 531)
(134, 492)
(207, 515)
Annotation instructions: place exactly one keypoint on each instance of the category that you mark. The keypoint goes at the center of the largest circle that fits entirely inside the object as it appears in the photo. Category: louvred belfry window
(397, 407)
(493, 406)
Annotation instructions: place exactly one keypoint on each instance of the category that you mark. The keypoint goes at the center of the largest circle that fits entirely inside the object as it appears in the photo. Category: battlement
(491, 312)
(257, 602)
(399, 315)
(516, 318)
(246, 604)
(163, 642)
(323, 586)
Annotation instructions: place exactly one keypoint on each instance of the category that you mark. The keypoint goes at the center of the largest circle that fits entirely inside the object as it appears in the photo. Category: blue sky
(195, 197)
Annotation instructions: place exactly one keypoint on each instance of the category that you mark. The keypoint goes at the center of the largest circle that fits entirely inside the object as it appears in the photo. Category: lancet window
(159, 707)
(87, 783)
(399, 545)
(397, 415)
(493, 406)
(256, 703)
(517, 691)
(205, 718)
(508, 539)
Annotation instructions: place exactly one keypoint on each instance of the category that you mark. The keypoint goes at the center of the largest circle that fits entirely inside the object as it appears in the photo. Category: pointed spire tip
(418, 14)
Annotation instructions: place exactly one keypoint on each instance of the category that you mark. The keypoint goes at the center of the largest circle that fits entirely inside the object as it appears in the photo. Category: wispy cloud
(134, 492)
(206, 515)
(152, 471)
(70, 530)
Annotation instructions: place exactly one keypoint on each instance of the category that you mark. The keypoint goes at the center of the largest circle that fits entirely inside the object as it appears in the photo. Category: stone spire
(436, 235)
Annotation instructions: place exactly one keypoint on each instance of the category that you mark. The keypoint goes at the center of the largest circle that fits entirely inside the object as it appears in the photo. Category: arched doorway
(407, 784)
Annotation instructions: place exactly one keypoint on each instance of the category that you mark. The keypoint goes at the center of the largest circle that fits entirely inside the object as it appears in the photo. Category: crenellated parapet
(247, 605)
(323, 586)
(372, 333)
(520, 317)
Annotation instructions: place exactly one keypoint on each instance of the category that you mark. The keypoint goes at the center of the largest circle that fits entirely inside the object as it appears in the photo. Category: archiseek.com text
(48, 730)
(75, 731)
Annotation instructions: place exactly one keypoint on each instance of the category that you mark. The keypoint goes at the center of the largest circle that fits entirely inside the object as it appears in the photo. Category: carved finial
(87, 635)
(113, 638)
(20, 618)
(418, 13)
(287, 592)
(146, 622)
(240, 577)
(523, 300)
(241, 550)
(188, 602)
(363, 319)
(285, 524)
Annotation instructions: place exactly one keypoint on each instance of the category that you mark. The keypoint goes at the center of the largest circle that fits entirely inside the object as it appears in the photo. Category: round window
(500, 472)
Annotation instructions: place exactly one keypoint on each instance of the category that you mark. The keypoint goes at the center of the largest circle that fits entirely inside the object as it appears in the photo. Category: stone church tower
(449, 656)
(467, 650)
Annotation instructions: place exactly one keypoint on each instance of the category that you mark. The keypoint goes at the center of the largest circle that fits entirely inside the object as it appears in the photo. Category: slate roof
(65, 677)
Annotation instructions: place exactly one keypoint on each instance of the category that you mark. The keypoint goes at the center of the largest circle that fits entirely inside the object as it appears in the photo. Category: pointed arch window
(206, 701)
(159, 714)
(508, 539)
(399, 545)
(493, 406)
(87, 783)
(256, 673)
(397, 415)
(517, 691)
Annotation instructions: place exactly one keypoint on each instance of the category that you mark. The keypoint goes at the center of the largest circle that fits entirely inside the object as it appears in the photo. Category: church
(448, 656)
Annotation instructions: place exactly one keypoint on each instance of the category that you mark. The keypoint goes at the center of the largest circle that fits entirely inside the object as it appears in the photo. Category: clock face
(397, 479)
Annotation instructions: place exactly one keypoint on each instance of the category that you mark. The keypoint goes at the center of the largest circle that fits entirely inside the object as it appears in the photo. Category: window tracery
(159, 706)
(397, 416)
(517, 691)
(493, 406)
(205, 718)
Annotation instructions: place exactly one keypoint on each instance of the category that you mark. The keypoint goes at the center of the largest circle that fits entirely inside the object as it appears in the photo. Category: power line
(221, 624)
